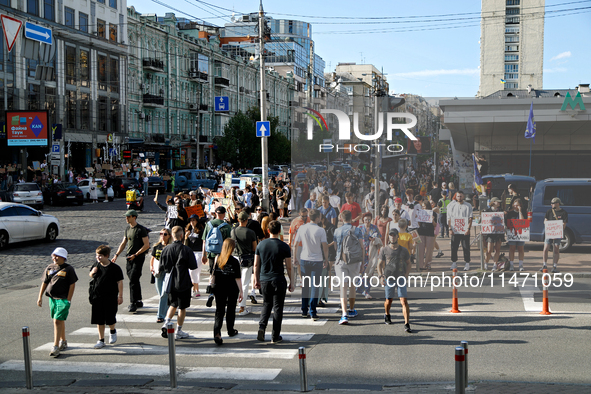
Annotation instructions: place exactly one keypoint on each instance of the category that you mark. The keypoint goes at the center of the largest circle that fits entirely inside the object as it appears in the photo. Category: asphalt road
(509, 339)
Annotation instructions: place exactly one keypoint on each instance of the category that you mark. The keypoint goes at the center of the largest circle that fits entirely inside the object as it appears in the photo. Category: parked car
(155, 183)
(84, 185)
(194, 179)
(121, 185)
(253, 177)
(28, 193)
(574, 194)
(500, 182)
(21, 223)
(63, 193)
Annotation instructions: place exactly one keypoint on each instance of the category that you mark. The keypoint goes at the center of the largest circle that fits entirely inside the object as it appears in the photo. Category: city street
(509, 340)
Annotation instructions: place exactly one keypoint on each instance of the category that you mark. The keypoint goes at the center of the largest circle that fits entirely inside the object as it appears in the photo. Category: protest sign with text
(553, 229)
(518, 230)
(493, 222)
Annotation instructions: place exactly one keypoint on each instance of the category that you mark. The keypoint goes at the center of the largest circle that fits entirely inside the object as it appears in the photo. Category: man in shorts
(393, 269)
(180, 258)
(59, 282)
(554, 213)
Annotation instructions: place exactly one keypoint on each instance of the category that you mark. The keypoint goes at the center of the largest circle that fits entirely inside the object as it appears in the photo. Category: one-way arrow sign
(263, 129)
(38, 33)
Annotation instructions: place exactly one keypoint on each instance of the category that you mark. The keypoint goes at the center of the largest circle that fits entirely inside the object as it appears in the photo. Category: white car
(20, 222)
(27, 193)
(84, 185)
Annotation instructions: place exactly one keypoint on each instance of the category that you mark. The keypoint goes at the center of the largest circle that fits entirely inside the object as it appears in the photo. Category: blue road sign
(222, 104)
(38, 33)
(112, 152)
(263, 129)
(55, 148)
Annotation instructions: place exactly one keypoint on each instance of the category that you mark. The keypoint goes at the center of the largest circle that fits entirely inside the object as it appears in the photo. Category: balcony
(151, 100)
(153, 64)
(222, 82)
(198, 75)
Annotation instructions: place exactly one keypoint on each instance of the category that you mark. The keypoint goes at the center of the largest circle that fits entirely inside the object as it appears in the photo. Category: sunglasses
(164, 234)
(259, 209)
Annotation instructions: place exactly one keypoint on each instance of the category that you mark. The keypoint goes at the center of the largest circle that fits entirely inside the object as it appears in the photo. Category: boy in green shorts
(59, 281)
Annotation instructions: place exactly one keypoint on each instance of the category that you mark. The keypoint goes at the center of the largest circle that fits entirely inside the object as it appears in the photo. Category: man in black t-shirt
(435, 194)
(137, 242)
(269, 276)
(554, 213)
(246, 243)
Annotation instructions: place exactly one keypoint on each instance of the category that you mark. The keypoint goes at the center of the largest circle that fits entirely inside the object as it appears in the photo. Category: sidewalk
(140, 386)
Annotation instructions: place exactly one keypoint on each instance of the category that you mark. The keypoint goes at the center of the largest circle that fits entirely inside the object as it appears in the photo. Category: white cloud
(561, 55)
(434, 73)
(555, 70)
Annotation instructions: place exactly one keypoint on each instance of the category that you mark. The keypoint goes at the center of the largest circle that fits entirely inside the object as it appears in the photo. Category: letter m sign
(572, 103)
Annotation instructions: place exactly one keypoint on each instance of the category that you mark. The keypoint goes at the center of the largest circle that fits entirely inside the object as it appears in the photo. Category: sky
(419, 50)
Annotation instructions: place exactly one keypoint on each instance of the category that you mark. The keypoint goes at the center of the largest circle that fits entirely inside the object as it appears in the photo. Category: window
(34, 98)
(5, 2)
(84, 111)
(101, 1)
(112, 32)
(83, 63)
(33, 7)
(514, 29)
(512, 11)
(511, 85)
(70, 65)
(512, 2)
(83, 24)
(71, 107)
(70, 17)
(570, 195)
(114, 74)
(511, 38)
(114, 115)
(100, 28)
(49, 10)
(102, 113)
(509, 58)
(511, 68)
(113, 4)
(512, 19)
(511, 76)
(511, 48)
(102, 72)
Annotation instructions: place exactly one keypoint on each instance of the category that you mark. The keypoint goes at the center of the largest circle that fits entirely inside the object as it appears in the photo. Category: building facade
(511, 45)
(80, 79)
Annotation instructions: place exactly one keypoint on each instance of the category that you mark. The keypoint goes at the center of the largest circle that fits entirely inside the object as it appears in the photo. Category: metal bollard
(171, 355)
(28, 360)
(460, 365)
(303, 371)
(464, 344)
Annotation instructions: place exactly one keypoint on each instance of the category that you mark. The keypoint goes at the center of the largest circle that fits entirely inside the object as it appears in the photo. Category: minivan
(194, 179)
(499, 184)
(575, 194)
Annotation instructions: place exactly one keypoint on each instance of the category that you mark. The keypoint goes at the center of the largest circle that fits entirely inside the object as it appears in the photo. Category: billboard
(27, 128)
(420, 146)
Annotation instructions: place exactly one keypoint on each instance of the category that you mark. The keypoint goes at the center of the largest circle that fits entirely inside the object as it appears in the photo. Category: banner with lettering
(518, 230)
(493, 222)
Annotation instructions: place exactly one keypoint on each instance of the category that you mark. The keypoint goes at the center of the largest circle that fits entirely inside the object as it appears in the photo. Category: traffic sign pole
(263, 98)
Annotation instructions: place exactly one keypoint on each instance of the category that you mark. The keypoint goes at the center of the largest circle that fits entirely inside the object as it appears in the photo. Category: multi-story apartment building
(176, 71)
(511, 45)
(80, 79)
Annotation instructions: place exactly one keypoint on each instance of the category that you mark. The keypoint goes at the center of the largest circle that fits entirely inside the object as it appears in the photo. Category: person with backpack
(313, 259)
(349, 257)
(246, 243)
(137, 242)
(393, 269)
(216, 231)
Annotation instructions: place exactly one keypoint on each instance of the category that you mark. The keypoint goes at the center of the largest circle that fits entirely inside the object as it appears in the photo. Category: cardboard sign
(553, 229)
(219, 195)
(118, 173)
(2, 170)
(415, 237)
(226, 202)
(518, 230)
(195, 210)
(89, 169)
(424, 216)
(172, 212)
(493, 222)
(166, 178)
(10, 169)
(107, 167)
(459, 225)
(228, 181)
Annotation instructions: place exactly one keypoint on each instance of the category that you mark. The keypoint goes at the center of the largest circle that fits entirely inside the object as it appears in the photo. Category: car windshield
(26, 187)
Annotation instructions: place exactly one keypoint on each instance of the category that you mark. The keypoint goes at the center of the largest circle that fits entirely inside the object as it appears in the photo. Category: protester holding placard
(459, 220)
(554, 214)
(493, 239)
(426, 223)
(517, 231)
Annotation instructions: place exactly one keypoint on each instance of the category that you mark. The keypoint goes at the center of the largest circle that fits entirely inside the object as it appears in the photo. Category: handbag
(247, 260)
(167, 284)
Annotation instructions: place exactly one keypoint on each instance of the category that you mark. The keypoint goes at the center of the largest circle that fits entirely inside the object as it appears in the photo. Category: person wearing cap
(193, 239)
(393, 269)
(443, 202)
(554, 213)
(59, 282)
(509, 196)
(494, 241)
(404, 211)
(246, 243)
(209, 257)
(137, 242)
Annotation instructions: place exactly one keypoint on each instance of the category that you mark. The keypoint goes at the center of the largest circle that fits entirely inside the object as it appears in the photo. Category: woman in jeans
(427, 233)
(164, 240)
(227, 290)
(193, 235)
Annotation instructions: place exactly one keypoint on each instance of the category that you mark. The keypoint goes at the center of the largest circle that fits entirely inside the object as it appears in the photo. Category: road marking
(150, 350)
(527, 296)
(108, 368)
(155, 333)
(253, 308)
(210, 320)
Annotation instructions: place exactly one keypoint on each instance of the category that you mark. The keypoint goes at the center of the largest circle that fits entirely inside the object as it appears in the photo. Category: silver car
(22, 223)
(28, 193)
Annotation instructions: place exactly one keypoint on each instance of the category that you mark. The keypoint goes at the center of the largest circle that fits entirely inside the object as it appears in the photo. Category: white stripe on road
(150, 350)
(253, 308)
(209, 320)
(108, 368)
(155, 333)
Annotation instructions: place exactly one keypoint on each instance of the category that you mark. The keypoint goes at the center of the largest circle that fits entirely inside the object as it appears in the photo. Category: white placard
(518, 230)
(493, 222)
(424, 216)
(553, 229)
(459, 225)
(172, 212)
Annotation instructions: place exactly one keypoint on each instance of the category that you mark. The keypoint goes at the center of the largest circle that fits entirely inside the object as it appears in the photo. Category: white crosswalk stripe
(253, 308)
(107, 368)
(150, 318)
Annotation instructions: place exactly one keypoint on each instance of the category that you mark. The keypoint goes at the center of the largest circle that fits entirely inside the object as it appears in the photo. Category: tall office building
(511, 45)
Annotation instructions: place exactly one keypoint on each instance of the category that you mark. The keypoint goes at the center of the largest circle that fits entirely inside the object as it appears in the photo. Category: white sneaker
(99, 345)
(467, 267)
(511, 268)
(55, 351)
(485, 267)
(112, 338)
(244, 312)
(180, 334)
(521, 268)
(63, 344)
(494, 268)
(454, 266)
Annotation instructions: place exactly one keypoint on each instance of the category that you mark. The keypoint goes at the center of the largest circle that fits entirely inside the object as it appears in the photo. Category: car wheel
(567, 241)
(3, 239)
(80, 203)
(51, 233)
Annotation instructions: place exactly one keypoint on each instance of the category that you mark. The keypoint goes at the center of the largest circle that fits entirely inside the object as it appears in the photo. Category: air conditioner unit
(142, 115)
(193, 106)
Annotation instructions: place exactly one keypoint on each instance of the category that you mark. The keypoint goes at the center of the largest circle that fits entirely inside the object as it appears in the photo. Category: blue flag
(478, 182)
(530, 130)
